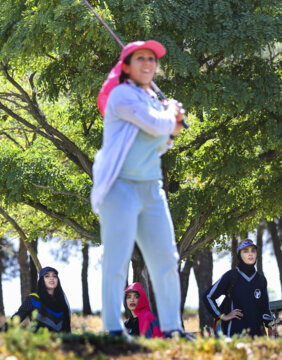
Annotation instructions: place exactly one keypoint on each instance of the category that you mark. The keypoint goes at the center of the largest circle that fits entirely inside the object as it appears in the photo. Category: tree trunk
(275, 229)
(32, 268)
(24, 270)
(141, 274)
(234, 245)
(260, 230)
(84, 279)
(138, 266)
(2, 311)
(22, 237)
(203, 268)
(184, 281)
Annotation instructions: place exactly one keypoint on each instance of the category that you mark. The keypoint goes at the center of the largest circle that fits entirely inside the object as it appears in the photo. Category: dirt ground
(94, 323)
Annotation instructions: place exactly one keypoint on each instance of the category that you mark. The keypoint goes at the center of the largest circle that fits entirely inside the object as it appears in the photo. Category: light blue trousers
(134, 210)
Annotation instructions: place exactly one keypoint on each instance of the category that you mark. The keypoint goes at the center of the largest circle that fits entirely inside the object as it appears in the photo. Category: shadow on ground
(88, 344)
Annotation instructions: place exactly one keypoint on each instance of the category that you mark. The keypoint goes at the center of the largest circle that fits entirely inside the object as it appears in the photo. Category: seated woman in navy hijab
(50, 302)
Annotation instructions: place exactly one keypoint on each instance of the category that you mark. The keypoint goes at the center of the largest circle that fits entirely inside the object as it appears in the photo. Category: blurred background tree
(223, 174)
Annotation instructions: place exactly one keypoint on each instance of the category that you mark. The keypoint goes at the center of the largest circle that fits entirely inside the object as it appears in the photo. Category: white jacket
(129, 109)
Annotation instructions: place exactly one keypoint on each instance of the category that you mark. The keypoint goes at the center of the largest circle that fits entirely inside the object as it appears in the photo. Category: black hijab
(57, 302)
(248, 269)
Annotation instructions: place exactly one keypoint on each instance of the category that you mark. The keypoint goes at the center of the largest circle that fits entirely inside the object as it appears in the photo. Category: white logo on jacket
(257, 293)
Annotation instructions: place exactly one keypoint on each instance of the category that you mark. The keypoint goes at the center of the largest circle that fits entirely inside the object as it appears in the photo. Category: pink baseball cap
(153, 45)
(113, 77)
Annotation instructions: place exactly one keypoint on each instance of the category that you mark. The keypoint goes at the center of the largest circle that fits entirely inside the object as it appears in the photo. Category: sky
(70, 277)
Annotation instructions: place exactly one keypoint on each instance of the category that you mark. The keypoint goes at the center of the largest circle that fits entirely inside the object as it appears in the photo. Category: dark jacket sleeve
(25, 309)
(155, 329)
(153, 326)
(67, 323)
(214, 292)
(265, 304)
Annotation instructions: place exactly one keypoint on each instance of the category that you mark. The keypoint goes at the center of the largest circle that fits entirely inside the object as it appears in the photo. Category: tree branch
(61, 217)
(6, 95)
(205, 136)
(189, 248)
(23, 121)
(56, 192)
(197, 245)
(212, 66)
(33, 88)
(12, 139)
(62, 142)
(14, 102)
(72, 154)
(14, 83)
(22, 237)
(191, 232)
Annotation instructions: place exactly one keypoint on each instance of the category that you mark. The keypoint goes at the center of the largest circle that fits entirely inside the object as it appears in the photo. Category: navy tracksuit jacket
(249, 294)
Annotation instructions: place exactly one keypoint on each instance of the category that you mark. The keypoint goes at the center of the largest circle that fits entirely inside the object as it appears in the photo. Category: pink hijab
(113, 77)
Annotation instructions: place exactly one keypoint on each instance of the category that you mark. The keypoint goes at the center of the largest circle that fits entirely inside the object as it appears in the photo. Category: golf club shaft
(157, 90)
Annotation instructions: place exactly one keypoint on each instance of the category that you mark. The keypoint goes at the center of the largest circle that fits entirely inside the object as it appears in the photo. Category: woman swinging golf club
(127, 192)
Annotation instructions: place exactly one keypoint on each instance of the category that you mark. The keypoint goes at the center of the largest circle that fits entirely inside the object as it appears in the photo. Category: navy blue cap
(244, 244)
(44, 270)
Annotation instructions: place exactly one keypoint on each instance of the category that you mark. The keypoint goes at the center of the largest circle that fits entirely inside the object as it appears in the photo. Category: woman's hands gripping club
(177, 109)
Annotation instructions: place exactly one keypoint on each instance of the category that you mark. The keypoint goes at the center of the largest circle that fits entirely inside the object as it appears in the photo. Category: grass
(87, 342)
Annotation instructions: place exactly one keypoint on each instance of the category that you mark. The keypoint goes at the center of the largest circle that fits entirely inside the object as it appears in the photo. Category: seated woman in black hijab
(50, 301)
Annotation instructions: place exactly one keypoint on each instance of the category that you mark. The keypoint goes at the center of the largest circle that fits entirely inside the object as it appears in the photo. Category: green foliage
(25, 345)
(222, 63)
(207, 347)
(37, 178)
